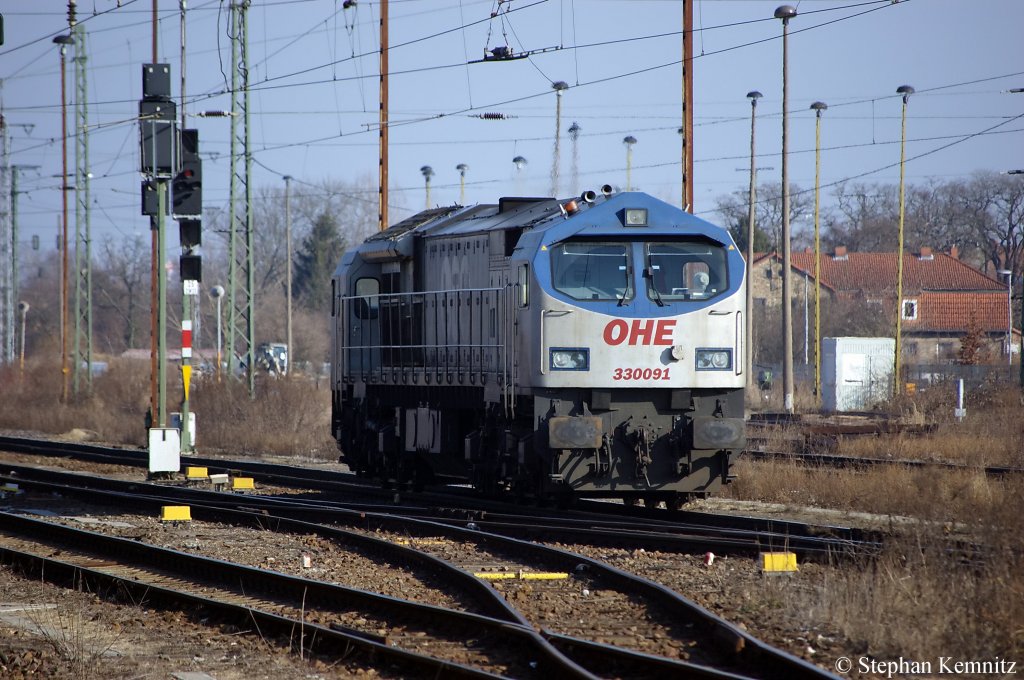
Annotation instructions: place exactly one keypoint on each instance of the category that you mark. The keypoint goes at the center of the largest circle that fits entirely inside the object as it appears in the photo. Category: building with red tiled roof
(944, 298)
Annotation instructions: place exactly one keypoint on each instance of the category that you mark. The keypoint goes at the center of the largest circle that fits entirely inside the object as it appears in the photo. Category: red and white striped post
(186, 379)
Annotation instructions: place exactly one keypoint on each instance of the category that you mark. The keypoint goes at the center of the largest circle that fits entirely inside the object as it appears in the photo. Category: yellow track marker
(421, 541)
(522, 575)
(196, 473)
(175, 513)
(242, 483)
(778, 562)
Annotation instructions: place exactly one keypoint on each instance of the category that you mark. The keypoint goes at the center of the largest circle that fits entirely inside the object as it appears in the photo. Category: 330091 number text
(640, 374)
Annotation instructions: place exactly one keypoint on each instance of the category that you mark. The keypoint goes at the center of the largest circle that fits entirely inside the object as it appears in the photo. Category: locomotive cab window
(586, 270)
(691, 270)
(367, 300)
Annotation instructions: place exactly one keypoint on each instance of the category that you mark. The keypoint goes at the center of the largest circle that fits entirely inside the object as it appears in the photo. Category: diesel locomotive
(551, 348)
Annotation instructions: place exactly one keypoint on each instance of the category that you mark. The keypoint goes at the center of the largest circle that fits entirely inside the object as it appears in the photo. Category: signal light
(188, 189)
(191, 267)
(190, 232)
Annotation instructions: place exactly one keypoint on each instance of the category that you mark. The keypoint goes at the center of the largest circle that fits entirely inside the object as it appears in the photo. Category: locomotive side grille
(446, 337)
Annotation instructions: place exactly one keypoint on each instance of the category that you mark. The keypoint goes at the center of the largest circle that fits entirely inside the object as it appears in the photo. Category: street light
(217, 292)
(574, 135)
(63, 41)
(558, 86)
(288, 273)
(428, 172)
(23, 307)
(629, 141)
(817, 107)
(753, 96)
(1009, 314)
(520, 163)
(786, 12)
(906, 91)
(462, 167)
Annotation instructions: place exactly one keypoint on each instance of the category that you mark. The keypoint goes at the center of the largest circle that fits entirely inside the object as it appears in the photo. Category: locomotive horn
(607, 190)
(588, 196)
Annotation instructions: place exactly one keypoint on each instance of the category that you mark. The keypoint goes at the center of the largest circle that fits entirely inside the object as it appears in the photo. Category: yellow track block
(242, 483)
(422, 541)
(522, 575)
(778, 562)
(196, 473)
(175, 513)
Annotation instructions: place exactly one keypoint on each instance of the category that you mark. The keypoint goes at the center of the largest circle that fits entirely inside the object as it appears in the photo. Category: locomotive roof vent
(588, 196)
(607, 189)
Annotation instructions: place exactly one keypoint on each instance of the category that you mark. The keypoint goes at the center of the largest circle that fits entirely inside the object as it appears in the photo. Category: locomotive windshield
(592, 271)
(685, 271)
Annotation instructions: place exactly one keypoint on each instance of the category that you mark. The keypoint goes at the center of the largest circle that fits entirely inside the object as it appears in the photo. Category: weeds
(287, 417)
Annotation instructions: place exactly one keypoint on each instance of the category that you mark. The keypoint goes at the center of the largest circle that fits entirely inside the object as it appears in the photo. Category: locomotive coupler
(642, 450)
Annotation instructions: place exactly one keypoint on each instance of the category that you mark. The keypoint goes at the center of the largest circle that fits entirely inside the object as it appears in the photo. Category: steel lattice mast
(7, 249)
(241, 276)
(83, 231)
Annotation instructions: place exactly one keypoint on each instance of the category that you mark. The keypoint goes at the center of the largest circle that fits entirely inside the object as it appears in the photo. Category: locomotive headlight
(635, 217)
(714, 359)
(570, 359)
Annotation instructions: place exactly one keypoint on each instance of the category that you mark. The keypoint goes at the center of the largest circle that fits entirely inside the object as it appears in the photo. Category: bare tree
(994, 209)
(121, 294)
(866, 217)
(734, 209)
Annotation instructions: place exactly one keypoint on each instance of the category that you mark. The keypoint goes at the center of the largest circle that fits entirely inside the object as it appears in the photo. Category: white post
(959, 412)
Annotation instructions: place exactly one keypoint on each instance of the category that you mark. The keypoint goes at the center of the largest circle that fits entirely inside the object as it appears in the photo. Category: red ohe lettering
(665, 330)
(640, 332)
(615, 332)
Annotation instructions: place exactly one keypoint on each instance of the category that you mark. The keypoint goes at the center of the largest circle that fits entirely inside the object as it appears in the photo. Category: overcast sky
(314, 69)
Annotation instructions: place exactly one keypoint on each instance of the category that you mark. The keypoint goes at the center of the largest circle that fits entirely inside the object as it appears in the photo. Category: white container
(856, 373)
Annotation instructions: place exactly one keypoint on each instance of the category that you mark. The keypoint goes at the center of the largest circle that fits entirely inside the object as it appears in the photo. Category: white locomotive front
(590, 347)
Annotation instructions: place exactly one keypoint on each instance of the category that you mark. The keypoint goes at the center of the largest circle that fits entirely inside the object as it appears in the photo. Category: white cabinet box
(856, 373)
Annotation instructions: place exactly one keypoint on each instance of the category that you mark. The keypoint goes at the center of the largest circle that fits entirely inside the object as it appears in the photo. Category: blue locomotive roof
(545, 217)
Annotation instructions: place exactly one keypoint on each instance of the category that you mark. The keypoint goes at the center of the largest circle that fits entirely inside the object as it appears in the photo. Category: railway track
(856, 462)
(724, 648)
(591, 522)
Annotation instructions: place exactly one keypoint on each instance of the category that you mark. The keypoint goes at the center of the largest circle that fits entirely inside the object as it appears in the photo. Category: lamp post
(906, 91)
(629, 141)
(786, 12)
(23, 307)
(753, 96)
(428, 172)
(520, 163)
(217, 292)
(1009, 314)
(817, 107)
(558, 86)
(462, 167)
(63, 41)
(288, 272)
(574, 135)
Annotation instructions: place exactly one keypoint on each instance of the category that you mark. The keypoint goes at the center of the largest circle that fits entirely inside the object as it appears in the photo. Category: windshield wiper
(649, 274)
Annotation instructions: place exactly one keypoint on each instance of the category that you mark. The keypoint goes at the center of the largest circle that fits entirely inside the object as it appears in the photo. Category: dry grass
(920, 599)
(930, 494)
(287, 417)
